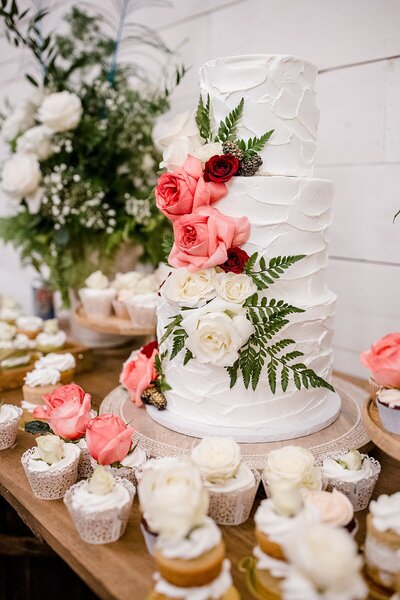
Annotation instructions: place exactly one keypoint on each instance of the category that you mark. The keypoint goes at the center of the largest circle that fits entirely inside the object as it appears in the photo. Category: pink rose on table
(108, 439)
(383, 360)
(183, 191)
(67, 410)
(202, 239)
(138, 373)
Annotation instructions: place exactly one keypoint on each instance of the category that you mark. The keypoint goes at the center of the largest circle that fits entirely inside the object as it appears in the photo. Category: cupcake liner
(233, 508)
(120, 309)
(50, 485)
(8, 431)
(358, 492)
(142, 316)
(390, 417)
(85, 466)
(97, 306)
(373, 387)
(149, 539)
(100, 527)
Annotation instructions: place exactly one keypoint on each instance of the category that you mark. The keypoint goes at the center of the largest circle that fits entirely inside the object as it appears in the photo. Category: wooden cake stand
(112, 325)
(388, 442)
(347, 432)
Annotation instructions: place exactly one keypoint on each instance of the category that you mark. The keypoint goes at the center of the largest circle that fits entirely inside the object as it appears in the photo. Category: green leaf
(175, 322)
(178, 345)
(284, 378)
(271, 371)
(255, 144)
(247, 359)
(188, 356)
(233, 373)
(35, 427)
(266, 276)
(228, 128)
(31, 80)
(203, 119)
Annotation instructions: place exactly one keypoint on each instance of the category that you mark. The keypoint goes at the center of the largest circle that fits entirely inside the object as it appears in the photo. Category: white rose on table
(101, 482)
(216, 332)
(294, 464)
(60, 111)
(234, 287)
(21, 176)
(172, 497)
(97, 281)
(50, 448)
(189, 289)
(35, 141)
(218, 458)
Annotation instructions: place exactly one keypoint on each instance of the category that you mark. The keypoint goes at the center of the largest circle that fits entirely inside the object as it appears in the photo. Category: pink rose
(202, 239)
(108, 439)
(183, 191)
(67, 410)
(137, 374)
(383, 360)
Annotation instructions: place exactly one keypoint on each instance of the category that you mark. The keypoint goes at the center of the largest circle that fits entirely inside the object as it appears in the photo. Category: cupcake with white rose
(51, 467)
(97, 296)
(52, 338)
(40, 382)
(333, 508)
(293, 464)
(231, 484)
(125, 286)
(382, 544)
(9, 419)
(30, 326)
(354, 474)
(100, 506)
(63, 362)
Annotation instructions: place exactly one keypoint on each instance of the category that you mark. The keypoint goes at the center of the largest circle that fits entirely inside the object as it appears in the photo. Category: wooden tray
(14, 378)
(112, 325)
(388, 442)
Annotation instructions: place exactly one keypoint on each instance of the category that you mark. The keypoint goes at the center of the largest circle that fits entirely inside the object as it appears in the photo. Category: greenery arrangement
(91, 173)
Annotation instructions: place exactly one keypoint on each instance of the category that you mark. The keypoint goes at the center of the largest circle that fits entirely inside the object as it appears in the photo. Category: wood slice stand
(388, 442)
(347, 432)
(112, 325)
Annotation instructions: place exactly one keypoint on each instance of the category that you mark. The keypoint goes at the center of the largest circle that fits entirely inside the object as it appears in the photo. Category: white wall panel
(392, 125)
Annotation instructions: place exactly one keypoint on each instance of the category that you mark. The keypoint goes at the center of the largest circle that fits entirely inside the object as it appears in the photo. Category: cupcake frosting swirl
(242, 479)
(199, 541)
(35, 462)
(135, 458)
(52, 339)
(30, 323)
(61, 362)
(385, 513)
(334, 470)
(334, 508)
(45, 376)
(9, 412)
(390, 397)
(279, 527)
(86, 501)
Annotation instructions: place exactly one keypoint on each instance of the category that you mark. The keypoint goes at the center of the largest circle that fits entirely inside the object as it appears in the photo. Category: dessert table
(123, 570)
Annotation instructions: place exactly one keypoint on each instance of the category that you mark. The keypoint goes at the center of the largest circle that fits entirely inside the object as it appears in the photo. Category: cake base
(345, 432)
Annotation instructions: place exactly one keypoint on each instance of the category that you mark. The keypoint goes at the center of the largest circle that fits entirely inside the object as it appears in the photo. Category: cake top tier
(279, 94)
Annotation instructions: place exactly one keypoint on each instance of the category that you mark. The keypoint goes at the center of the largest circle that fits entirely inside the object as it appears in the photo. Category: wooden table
(123, 570)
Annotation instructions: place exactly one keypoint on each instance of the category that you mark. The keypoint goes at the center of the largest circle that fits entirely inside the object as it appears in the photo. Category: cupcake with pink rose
(383, 361)
(109, 442)
(139, 372)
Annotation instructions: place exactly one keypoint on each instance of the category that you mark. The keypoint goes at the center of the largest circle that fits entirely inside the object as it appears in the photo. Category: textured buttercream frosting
(279, 94)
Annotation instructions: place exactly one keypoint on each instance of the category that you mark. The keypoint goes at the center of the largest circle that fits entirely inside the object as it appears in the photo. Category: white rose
(35, 141)
(294, 464)
(216, 332)
(50, 448)
(234, 287)
(205, 152)
(147, 284)
(176, 153)
(182, 125)
(16, 122)
(189, 289)
(61, 111)
(286, 497)
(328, 557)
(126, 281)
(352, 460)
(101, 482)
(218, 458)
(21, 176)
(172, 497)
(97, 281)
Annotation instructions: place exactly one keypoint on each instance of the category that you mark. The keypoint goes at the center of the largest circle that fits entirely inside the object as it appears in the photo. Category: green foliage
(169, 329)
(254, 145)
(161, 382)
(228, 128)
(203, 119)
(267, 275)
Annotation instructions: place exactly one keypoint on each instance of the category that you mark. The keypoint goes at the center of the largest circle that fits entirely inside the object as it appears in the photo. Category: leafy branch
(228, 128)
(267, 275)
(161, 382)
(254, 145)
(203, 118)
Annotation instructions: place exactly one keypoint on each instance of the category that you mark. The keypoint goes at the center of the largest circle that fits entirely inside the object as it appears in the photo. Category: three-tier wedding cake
(245, 318)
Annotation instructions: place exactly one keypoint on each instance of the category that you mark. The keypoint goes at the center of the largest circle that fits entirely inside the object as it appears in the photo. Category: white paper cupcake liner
(149, 539)
(142, 316)
(390, 417)
(85, 466)
(233, 508)
(120, 309)
(50, 485)
(373, 387)
(100, 527)
(96, 306)
(8, 431)
(358, 492)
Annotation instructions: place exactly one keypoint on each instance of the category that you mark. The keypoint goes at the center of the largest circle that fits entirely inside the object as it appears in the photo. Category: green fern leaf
(284, 378)
(175, 322)
(203, 119)
(188, 356)
(228, 128)
(271, 371)
(178, 345)
(256, 144)
(233, 373)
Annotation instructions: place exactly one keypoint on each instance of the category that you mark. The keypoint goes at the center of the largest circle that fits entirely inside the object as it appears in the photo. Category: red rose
(148, 349)
(220, 168)
(236, 261)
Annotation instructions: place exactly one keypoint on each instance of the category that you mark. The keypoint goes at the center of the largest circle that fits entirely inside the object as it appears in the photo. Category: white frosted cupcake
(142, 309)
(388, 403)
(353, 474)
(9, 419)
(64, 362)
(50, 342)
(125, 285)
(231, 484)
(333, 508)
(293, 464)
(29, 326)
(130, 467)
(97, 297)
(51, 467)
(100, 507)
(40, 382)
(119, 304)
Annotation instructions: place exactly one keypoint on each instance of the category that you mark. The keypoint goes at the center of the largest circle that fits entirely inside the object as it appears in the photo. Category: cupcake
(9, 419)
(51, 467)
(231, 484)
(353, 474)
(15, 349)
(51, 338)
(30, 326)
(388, 403)
(86, 463)
(40, 382)
(125, 285)
(9, 309)
(97, 296)
(100, 507)
(333, 508)
(382, 545)
(64, 362)
(293, 464)
(142, 309)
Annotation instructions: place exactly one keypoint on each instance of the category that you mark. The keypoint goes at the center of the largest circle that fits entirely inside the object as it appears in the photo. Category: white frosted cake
(288, 215)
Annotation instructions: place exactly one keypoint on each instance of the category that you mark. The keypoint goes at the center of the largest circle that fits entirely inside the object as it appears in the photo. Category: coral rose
(202, 239)
(236, 261)
(138, 372)
(108, 439)
(221, 168)
(183, 191)
(383, 360)
(67, 410)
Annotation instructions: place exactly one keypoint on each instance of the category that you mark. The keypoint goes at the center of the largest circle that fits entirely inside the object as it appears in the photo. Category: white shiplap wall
(356, 45)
